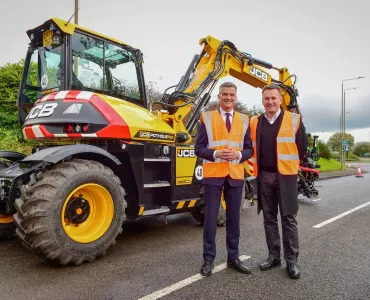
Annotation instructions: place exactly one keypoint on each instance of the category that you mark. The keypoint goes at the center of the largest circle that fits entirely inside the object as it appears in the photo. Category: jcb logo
(185, 153)
(144, 134)
(154, 135)
(42, 110)
(258, 73)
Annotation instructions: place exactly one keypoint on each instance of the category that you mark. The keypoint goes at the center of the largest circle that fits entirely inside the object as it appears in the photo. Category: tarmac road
(151, 256)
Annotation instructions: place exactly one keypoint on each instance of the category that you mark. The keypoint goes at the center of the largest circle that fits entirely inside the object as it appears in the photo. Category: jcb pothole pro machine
(106, 157)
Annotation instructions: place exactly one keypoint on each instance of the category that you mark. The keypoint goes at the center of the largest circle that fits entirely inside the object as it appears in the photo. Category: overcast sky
(322, 42)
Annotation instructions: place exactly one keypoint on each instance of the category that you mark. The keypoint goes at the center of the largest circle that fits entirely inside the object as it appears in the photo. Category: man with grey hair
(280, 143)
(224, 143)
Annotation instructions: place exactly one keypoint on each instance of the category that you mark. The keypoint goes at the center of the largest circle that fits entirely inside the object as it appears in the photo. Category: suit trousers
(270, 200)
(212, 196)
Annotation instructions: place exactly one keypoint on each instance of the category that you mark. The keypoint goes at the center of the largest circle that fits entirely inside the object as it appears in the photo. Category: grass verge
(327, 165)
(9, 141)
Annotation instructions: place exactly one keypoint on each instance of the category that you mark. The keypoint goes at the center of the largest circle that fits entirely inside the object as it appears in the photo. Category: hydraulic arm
(216, 60)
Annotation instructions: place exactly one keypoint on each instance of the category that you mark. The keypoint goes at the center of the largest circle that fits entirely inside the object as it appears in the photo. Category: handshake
(227, 154)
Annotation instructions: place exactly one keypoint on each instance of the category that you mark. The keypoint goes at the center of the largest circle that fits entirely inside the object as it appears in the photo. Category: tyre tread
(32, 211)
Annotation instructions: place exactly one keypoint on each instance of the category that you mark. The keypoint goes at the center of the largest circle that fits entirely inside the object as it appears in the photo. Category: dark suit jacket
(201, 150)
(287, 183)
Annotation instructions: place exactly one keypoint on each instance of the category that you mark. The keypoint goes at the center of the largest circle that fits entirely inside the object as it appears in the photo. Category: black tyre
(199, 213)
(71, 213)
(7, 227)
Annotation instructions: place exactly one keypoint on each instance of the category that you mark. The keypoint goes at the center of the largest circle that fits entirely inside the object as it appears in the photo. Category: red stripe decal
(72, 94)
(45, 132)
(29, 132)
(52, 96)
(113, 131)
(118, 125)
(74, 135)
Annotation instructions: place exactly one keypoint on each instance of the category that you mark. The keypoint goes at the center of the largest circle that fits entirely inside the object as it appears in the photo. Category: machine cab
(64, 56)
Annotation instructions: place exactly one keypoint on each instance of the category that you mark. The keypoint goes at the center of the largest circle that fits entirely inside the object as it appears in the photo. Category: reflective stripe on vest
(219, 138)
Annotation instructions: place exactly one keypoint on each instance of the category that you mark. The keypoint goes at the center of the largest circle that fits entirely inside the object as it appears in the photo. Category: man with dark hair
(224, 143)
(280, 143)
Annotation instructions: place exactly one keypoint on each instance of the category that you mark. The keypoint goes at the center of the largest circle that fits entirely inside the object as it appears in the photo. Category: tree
(10, 77)
(152, 92)
(361, 148)
(334, 141)
(324, 150)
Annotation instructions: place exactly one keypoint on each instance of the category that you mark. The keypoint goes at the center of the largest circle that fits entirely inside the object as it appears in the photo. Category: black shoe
(292, 270)
(207, 268)
(270, 263)
(238, 265)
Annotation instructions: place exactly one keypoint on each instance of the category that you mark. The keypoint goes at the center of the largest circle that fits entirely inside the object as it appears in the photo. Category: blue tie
(228, 124)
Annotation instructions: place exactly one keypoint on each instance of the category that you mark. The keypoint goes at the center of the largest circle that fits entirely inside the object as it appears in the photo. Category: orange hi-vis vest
(287, 151)
(219, 138)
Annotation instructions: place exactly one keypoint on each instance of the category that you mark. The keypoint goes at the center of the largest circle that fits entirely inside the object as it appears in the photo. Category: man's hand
(219, 154)
(227, 154)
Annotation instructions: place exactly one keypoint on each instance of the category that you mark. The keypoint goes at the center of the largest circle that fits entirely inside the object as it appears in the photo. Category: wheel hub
(77, 210)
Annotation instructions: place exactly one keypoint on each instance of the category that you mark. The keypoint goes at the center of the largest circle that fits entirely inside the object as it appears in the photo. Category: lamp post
(342, 120)
(344, 109)
(340, 146)
(76, 10)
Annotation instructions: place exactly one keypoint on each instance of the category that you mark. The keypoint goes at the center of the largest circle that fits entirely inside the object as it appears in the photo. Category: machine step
(157, 211)
(156, 184)
(159, 159)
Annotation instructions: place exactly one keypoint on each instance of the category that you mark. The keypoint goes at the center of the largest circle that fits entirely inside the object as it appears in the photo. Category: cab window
(104, 67)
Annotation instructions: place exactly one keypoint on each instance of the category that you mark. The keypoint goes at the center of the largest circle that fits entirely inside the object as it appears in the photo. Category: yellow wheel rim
(87, 213)
(223, 202)
(5, 219)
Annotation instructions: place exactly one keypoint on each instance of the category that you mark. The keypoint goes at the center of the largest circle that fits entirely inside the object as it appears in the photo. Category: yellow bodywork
(140, 119)
(233, 63)
(69, 28)
(185, 165)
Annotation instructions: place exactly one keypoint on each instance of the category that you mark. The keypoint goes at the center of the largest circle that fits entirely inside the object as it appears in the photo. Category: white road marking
(185, 282)
(341, 215)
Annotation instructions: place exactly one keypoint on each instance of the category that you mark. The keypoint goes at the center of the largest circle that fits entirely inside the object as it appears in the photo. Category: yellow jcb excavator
(106, 157)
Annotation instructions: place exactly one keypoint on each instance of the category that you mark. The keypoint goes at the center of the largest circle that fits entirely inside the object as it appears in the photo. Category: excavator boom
(217, 60)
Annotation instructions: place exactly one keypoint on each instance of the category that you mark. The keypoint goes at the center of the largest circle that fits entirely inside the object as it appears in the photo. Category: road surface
(152, 258)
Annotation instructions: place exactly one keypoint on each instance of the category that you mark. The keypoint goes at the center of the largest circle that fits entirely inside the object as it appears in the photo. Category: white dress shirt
(274, 117)
(223, 115)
